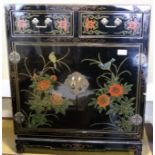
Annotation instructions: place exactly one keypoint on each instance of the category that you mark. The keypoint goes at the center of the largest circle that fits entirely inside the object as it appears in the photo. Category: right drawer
(103, 24)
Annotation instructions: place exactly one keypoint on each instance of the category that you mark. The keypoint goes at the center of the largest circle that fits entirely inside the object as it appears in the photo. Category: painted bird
(107, 65)
(53, 58)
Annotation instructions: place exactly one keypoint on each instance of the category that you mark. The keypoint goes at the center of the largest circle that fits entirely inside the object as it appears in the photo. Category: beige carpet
(8, 145)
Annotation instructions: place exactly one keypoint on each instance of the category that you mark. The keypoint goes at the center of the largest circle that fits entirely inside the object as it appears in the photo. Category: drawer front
(42, 24)
(100, 25)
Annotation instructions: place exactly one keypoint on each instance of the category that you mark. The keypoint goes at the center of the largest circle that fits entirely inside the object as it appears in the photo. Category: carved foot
(19, 147)
(138, 150)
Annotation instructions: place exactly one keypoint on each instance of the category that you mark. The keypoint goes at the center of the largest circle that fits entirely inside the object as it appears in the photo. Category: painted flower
(116, 90)
(56, 99)
(21, 24)
(43, 85)
(132, 25)
(62, 24)
(89, 24)
(103, 100)
(53, 77)
(34, 77)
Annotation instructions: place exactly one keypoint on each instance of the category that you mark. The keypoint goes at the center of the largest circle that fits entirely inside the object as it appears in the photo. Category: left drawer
(42, 23)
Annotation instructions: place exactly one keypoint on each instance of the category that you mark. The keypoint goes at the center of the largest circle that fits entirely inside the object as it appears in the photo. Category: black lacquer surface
(61, 59)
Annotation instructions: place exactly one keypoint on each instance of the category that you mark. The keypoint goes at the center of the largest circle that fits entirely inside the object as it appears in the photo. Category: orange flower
(53, 77)
(21, 24)
(43, 85)
(89, 24)
(103, 100)
(132, 25)
(62, 24)
(56, 99)
(116, 90)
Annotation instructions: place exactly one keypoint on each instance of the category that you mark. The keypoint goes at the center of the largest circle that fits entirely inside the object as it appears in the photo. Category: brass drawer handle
(110, 26)
(47, 21)
(117, 22)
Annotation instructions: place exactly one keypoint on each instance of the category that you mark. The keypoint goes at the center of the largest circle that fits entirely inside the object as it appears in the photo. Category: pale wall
(5, 75)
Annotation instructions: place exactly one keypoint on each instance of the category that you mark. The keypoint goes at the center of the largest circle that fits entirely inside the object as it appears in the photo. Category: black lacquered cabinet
(78, 76)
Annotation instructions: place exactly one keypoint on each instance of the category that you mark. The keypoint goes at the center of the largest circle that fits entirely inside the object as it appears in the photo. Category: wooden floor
(8, 145)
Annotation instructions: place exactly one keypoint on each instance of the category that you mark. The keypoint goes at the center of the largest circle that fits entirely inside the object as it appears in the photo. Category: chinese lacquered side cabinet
(78, 76)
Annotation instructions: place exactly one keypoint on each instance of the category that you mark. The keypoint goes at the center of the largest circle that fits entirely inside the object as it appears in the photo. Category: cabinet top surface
(135, 8)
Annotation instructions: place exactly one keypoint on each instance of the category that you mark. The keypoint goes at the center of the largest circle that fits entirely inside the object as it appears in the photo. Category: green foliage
(39, 104)
(36, 120)
(93, 102)
(127, 87)
(124, 124)
(62, 107)
(120, 105)
(40, 100)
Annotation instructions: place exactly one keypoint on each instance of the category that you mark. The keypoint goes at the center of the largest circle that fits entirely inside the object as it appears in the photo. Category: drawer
(40, 23)
(100, 25)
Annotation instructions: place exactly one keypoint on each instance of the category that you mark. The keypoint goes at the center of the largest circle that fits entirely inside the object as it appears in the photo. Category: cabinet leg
(138, 150)
(19, 147)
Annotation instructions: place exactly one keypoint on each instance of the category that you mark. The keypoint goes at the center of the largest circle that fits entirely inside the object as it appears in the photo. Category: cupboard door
(65, 87)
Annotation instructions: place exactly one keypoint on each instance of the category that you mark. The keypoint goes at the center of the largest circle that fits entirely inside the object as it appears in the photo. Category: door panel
(75, 87)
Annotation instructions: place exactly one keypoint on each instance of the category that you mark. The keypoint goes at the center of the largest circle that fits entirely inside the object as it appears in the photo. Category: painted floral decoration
(116, 90)
(43, 85)
(89, 24)
(62, 24)
(21, 24)
(56, 99)
(132, 25)
(103, 100)
(54, 78)
(112, 95)
(44, 101)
